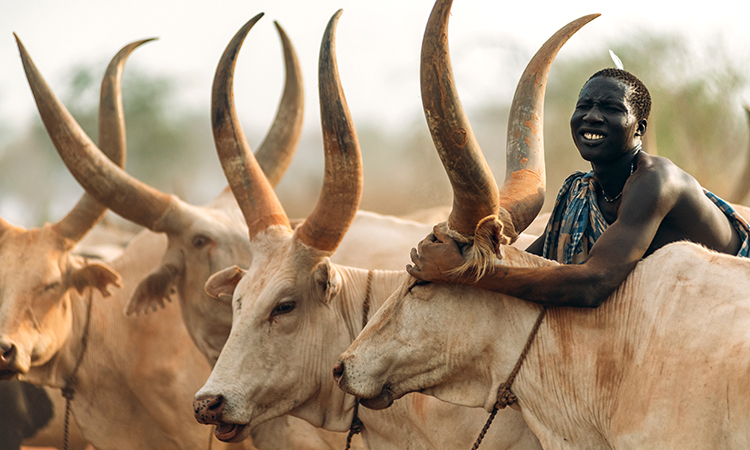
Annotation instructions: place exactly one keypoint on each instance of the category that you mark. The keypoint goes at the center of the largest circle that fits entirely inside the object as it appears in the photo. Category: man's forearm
(565, 285)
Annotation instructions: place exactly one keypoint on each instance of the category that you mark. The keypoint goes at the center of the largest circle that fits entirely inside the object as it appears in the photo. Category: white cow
(203, 239)
(663, 363)
(294, 309)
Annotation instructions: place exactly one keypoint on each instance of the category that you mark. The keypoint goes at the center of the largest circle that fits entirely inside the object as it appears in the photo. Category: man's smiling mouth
(593, 136)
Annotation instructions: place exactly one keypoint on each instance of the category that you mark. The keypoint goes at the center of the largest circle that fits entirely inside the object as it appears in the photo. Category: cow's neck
(414, 421)
(331, 408)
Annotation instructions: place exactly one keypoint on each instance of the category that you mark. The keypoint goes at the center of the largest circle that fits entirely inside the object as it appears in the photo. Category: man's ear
(642, 127)
(326, 280)
(96, 275)
(152, 293)
(224, 282)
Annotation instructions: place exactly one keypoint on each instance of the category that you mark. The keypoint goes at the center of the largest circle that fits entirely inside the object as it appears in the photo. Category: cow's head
(40, 277)
(202, 239)
(288, 300)
(423, 338)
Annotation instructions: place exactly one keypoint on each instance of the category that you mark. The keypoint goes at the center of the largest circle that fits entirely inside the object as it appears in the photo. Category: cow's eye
(283, 308)
(51, 286)
(200, 241)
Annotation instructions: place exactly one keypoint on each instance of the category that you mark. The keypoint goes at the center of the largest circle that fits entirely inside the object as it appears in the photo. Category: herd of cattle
(219, 325)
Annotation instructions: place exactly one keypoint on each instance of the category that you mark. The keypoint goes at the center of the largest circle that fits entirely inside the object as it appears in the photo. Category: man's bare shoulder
(664, 178)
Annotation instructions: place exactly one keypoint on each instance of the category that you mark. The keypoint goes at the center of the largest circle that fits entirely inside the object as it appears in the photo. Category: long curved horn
(94, 172)
(475, 192)
(112, 137)
(743, 186)
(342, 184)
(65, 132)
(275, 153)
(125, 195)
(522, 194)
(258, 203)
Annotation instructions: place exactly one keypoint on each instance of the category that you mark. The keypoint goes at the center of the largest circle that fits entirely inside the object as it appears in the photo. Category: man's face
(603, 124)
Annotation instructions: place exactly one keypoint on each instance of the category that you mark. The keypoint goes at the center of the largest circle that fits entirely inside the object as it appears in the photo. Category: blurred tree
(166, 146)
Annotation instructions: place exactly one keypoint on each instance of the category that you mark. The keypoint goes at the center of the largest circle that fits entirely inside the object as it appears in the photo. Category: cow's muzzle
(8, 360)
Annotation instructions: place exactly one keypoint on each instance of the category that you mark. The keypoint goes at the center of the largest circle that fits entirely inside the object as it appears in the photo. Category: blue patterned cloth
(576, 221)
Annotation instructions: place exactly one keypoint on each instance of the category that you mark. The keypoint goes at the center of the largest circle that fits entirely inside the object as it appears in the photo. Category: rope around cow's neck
(504, 396)
(69, 390)
(357, 425)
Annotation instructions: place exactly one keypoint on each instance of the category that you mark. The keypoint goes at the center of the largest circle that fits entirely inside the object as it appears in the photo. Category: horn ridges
(522, 194)
(475, 192)
(342, 184)
(257, 201)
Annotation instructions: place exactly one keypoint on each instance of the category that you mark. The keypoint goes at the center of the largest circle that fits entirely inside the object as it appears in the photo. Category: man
(629, 205)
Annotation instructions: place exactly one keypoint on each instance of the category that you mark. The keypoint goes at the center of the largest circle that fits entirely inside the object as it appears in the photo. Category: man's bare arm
(648, 198)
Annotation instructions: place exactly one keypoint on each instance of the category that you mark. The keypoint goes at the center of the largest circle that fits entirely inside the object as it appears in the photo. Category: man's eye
(283, 308)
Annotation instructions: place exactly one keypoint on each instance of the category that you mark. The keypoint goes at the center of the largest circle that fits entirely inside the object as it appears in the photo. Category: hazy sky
(377, 44)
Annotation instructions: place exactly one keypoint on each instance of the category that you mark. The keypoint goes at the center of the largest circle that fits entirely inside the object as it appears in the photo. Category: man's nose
(594, 115)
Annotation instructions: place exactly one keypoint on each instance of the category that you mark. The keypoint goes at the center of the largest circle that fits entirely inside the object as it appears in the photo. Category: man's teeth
(593, 136)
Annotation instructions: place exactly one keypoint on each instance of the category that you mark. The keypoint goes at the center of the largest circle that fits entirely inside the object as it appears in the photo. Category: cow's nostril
(209, 409)
(218, 403)
(338, 371)
(8, 353)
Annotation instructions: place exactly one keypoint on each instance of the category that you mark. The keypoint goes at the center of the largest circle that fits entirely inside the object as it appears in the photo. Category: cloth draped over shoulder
(576, 221)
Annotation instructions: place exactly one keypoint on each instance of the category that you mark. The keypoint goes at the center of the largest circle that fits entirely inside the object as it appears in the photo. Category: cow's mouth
(381, 401)
(230, 432)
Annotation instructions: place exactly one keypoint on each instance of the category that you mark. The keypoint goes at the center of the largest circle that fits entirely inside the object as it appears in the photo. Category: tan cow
(296, 309)
(98, 242)
(36, 413)
(663, 363)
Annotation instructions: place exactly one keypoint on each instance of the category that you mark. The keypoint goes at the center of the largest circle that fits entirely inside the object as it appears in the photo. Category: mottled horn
(522, 194)
(258, 203)
(342, 183)
(69, 138)
(475, 192)
(275, 153)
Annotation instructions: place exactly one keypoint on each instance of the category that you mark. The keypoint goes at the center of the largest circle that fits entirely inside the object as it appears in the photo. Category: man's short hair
(639, 98)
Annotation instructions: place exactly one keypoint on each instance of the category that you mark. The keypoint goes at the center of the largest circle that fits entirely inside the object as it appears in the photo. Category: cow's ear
(326, 280)
(152, 292)
(95, 275)
(223, 283)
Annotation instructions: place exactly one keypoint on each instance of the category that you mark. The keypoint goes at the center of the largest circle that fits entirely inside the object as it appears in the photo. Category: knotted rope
(357, 425)
(504, 395)
(69, 390)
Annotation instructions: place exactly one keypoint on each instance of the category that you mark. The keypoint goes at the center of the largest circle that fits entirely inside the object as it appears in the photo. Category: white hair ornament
(617, 61)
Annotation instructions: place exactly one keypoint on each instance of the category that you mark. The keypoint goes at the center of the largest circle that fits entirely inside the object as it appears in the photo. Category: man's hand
(434, 256)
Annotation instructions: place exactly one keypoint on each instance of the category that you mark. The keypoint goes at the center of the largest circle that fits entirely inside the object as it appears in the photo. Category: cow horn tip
(18, 40)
